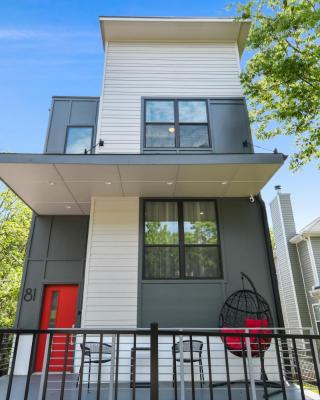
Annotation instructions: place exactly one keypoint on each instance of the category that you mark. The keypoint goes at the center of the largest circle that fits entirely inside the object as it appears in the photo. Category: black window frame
(181, 245)
(176, 124)
(90, 150)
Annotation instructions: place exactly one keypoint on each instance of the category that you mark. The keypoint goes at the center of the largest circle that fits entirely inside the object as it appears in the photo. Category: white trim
(313, 262)
(88, 258)
(289, 261)
(98, 136)
(238, 57)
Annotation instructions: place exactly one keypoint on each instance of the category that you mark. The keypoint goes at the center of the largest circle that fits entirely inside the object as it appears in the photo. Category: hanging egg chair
(245, 308)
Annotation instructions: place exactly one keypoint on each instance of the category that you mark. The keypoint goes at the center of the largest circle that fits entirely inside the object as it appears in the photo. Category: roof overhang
(158, 29)
(65, 184)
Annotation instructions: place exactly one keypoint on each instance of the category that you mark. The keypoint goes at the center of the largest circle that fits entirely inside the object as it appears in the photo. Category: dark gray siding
(198, 303)
(56, 255)
(69, 111)
(230, 126)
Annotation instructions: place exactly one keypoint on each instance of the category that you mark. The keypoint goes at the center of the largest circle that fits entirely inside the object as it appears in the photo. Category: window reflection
(161, 223)
(159, 111)
(79, 139)
(192, 111)
(200, 222)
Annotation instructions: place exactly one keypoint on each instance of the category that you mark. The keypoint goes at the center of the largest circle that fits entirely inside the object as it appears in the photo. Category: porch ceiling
(64, 184)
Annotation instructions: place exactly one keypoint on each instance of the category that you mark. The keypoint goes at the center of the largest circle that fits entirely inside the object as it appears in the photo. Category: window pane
(160, 111)
(199, 224)
(160, 136)
(161, 262)
(316, 309)
(192, 111)
(53, 310)
(78, 139)
(194, 136)
(202, 262)
(161, 222)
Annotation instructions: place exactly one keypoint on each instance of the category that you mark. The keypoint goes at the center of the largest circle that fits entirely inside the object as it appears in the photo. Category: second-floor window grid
(176, 124)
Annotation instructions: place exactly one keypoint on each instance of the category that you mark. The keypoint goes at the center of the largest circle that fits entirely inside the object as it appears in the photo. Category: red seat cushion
(254, 341)
(234, 343)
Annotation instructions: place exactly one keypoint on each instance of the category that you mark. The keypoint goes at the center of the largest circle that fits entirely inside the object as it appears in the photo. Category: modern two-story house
(146, 199)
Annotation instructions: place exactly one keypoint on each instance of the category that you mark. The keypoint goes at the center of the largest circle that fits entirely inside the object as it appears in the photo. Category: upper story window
(176, 123)
(79, 139)
(181, 240)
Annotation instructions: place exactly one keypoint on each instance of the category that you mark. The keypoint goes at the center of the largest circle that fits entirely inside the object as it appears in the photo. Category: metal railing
(158, 364)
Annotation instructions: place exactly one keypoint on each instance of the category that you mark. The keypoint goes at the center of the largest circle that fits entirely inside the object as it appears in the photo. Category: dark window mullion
(181, 240)
(176, 123)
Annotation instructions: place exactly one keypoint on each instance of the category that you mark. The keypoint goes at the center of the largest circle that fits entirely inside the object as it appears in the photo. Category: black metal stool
(196, 346)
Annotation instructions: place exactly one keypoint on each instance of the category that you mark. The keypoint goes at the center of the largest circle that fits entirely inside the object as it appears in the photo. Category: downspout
(272, 268)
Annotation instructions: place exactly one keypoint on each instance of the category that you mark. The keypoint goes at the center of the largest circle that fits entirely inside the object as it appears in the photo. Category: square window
(181, 240)
(160, 135)
(199, 220)
(161, 222)
(192, 111)
(79, 139)
(194, 136)
(171, 124)
(202, 262)
(160, 111)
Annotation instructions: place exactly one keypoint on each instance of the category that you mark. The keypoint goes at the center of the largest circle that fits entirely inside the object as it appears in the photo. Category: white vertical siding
(134, 70)
(308, 276)
(111, 281)
(296, 310)
(315, 244)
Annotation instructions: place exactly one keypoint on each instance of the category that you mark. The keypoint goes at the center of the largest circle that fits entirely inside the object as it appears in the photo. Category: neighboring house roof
(187, 29)
(312, 229)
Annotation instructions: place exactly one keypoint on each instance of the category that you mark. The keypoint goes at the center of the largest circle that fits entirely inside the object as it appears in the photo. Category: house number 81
(29, 294)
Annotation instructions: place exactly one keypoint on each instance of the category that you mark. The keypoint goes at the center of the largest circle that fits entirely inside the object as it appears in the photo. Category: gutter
(272, 267)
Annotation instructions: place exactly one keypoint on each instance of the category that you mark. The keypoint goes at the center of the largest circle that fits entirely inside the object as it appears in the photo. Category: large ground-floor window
(181, 240)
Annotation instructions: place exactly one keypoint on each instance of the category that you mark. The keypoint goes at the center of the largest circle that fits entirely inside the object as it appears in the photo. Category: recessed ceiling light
(169, 183)
(224, 182)
(51, 183)
(107, 183)
(68, 207)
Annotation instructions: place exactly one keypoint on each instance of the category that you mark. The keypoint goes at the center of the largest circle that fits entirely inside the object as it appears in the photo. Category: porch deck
(166, 391)
(282, 369)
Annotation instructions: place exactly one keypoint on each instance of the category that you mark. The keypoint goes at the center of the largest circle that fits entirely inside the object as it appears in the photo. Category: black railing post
(154, 363)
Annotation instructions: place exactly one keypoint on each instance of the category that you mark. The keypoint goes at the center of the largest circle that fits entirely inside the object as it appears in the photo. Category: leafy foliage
(14, 229)
(282, 78)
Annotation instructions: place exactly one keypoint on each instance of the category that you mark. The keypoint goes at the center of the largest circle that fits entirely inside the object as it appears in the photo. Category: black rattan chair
(196, 346)
(246, 308)
(91, 355)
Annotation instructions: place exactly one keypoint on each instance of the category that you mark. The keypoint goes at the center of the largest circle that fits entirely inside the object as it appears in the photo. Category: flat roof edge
(141, 159)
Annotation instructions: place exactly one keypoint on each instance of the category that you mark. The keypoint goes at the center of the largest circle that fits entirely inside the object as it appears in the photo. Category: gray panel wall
(69, 111)
(230, 126)
(198, 303)
(56, 255)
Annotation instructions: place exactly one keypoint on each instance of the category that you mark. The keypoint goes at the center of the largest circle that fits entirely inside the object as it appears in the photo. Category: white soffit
(58, 189)
(121, 29)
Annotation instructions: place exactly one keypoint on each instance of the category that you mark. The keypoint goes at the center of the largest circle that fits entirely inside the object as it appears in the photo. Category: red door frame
(59, 310)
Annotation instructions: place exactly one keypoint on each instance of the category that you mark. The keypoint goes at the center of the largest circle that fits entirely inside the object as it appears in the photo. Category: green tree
(15, 219)
(282, 78)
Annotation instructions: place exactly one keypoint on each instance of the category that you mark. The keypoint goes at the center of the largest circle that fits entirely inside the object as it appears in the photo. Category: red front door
(58, 311)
